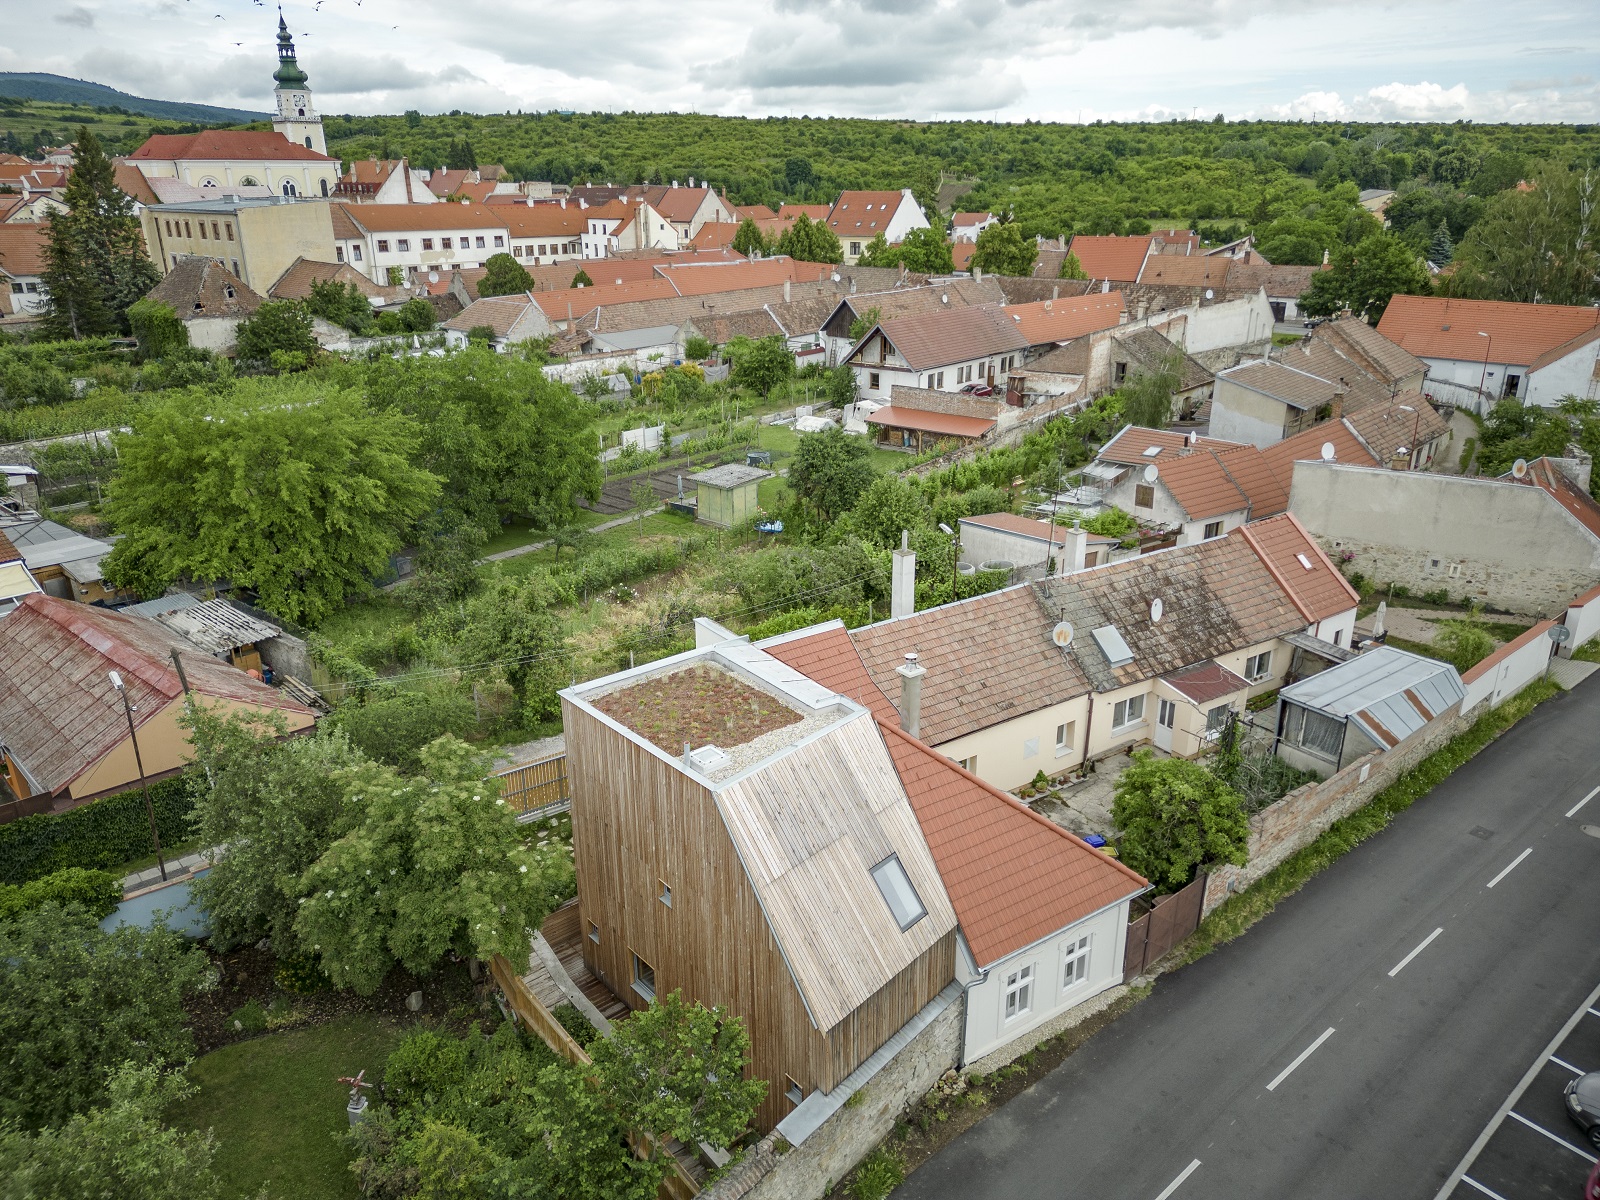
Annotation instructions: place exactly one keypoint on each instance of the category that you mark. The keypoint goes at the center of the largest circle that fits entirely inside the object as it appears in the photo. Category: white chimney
(977, 272)
(1074, 549)
(786, 291)
(903, 580)
(911, 673)
(691, 181)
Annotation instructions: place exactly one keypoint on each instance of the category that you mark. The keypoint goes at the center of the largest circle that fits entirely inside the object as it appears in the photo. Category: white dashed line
(1182, 1175)
(1584, 801)
(1304, 1054)
(1560, 1141)
(1401, 965)
(1567, 1065)
(1514, 863)
(1481, 1188)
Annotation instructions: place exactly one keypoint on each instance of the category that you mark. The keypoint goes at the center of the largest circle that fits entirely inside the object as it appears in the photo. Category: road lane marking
(1568, 1066)
(1401, 965)
(1481, 1188)
(1182, 1175)
(1304, 1054)
(1528, 1077)
(1560, 1141)
(1514, 862)
(1584, 801)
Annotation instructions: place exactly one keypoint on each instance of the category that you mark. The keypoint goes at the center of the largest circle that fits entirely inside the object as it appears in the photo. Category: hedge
(98, 835)
(97, 891)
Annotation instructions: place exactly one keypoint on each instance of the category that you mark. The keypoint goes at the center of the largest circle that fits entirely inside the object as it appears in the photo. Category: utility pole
(149, 808)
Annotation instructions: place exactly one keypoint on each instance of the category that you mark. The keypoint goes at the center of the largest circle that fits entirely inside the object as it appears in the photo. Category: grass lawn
(277, 1111)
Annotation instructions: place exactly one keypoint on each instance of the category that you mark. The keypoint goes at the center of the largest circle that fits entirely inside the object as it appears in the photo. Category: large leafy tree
(1147, 395)
(926, 251)
(299, 491)
(76, 1001)
(95, 260)
(433, 864)
(1363, 277)
(829, 471)
(504, 276)
(749, 240)
(1177, 817)
(119, 1148)
(761, 364)
(810, 241)
(1003, 249)
(277, 329)
(510, 624)
(1538, 246)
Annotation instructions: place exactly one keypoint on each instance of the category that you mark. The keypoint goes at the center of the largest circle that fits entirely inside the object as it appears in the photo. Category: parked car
(977, 389)
(1583, 1104)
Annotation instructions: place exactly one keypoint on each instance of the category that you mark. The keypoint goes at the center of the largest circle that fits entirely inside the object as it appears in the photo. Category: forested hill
(58, 89)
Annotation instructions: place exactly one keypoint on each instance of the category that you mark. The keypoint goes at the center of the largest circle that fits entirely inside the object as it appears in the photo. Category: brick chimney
(1336, 405)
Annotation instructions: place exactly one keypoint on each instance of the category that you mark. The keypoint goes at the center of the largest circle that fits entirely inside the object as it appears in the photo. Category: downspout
(1088, 732)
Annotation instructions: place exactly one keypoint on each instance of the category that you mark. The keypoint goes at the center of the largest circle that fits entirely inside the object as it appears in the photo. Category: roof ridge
(1277, 577)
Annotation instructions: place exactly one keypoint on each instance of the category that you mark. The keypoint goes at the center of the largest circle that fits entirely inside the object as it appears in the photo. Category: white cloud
(1575, 99)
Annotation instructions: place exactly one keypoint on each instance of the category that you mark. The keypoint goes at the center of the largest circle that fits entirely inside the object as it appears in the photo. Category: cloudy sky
(1487, 60)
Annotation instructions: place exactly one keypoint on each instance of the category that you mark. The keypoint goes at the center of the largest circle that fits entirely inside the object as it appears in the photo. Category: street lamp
(955, 553)
(149, 809)
(1484, 374)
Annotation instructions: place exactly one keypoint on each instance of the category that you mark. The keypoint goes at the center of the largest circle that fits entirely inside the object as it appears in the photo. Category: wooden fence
(1169, 921)
(537, 789)
(676, 1184)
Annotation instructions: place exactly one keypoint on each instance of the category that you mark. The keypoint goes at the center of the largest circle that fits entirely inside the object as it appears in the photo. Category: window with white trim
(355, 253)
(1217, 719)
(499, 240)
(1166, 714)
(644, 978)
(1019, 993)
(1075, 963)
(403, 244)
(427, 243)
(1064, 733)
(1258, 666)
(1127, 712)
(383, 246)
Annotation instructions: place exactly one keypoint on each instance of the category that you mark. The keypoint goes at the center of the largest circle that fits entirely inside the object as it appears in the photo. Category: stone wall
(809, 1171)
(1294, 822)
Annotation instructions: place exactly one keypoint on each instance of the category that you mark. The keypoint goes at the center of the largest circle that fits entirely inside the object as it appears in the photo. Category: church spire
(288, 73)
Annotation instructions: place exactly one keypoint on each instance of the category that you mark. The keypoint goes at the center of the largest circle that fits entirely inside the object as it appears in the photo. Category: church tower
(297, 117)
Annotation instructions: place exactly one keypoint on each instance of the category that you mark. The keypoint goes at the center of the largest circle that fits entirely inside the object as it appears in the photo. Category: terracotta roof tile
(22, 248)
(863, 214)
(544, 221)
(815, 212)
(1129, 445)
(1441, 327)
(1306, 446)
(1186, 270)
(827, 655)
(893, 416)
(131, 180)
(217, 145)
(1046, 321)
(1545, 475)
(1256, 478)
(422, 218)
(1318, 590)
(1360, 342)
(1107, 257)
(1201, 486)
(1386, 428)
(953, 335)
(1285, 282)
(295, 283)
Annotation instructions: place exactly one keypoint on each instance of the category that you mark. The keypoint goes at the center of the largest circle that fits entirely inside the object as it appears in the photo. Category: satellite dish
(1328, 452)
(1061, 635)
(1151, 472)
(1156, 609)
(1519, 469)
(1209, 294)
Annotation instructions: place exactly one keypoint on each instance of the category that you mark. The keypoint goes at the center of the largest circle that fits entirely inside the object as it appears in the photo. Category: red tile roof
(22, 249)
(1045, 531)
(543, 221)
(1258, 479)
(983, 841)
(1105, 257)
(1201, 486)
(705, 279)
(8, 552)
(1306, 446)
(1205, 682)
(863, 214)
(1544, 474)
(1186, 270)
(1441, 327)
(961, 255)
(953, 335)
(816, 212)
(1319, 590)
(895, 417)
(1129, 446)
(581, 301)
(423, 218)
(57, 707)
(132, 181)
(1061, 320)
(829, 657)
(966, 218)
(214, 145)
(756, 212)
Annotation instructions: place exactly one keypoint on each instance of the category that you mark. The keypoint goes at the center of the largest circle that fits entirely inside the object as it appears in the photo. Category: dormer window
(227, 290)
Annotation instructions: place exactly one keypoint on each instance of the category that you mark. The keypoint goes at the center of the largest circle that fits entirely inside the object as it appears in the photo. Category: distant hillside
(58, 89)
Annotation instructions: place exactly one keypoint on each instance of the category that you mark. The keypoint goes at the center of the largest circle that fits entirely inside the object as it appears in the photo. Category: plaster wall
(1239, 414)
(1013, 752)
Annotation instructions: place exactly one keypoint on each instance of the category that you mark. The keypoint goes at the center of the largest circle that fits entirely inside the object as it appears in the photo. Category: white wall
(1012, 753)
(906, 218)
(1508, 676)
(1232, 323)
(1572, 375)
(1583, 618)
(1195, 531)
(987, 1027)
(1338, 629)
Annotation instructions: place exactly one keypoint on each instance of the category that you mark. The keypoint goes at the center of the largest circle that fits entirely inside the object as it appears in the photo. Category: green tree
(157, 328)
(417, 315)
(294, 489)
(581, 279)
(342, 303)
(504, 276)
(508, 624)
(1071, 268)
(862, 325)
(1147, 394)
(1362, 278)
(889, 504)
(810, 241)
(119, 1148)
(1464, 641)
(76, 1001)
(926, 251)
(762, 364)
(798, 173)
(277, 805)
(584, 1148)
(1177, 817)
(749, 240)
(1536, 246)
(697, 348)
(829, 471)
(95, 261)
(1440, 248)
(480, 335)
(433, 864)
(277, 326)
(878, 253)
(461, 156)
(1003, 250)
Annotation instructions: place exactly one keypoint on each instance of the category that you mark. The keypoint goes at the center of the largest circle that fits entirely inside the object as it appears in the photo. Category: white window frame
(1123, 715)
(1258, 666)
(645, 987)
(1166, 713)
(1076, 962)
(1017, 995)
(1064, 732)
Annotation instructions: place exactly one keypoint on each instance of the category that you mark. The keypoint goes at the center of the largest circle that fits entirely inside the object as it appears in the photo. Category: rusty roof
(1518, 334)
(57, 707)
(1317, 588)
(989, 659)
(947, 424)
(953, 335)
(1047, 321)
(1110, 257)
(982, 841)
(1377, 355)
(1205, 682)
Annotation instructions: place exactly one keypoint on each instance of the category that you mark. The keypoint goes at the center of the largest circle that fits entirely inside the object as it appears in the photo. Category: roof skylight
(1151, 451)
(1305, 562)
(898, 893)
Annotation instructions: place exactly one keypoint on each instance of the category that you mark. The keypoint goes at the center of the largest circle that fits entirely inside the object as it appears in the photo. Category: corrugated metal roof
(1390, 693)
(216, 625)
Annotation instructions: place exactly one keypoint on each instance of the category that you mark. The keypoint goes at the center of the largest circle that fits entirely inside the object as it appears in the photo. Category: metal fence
(1170, 920)
(538, 789)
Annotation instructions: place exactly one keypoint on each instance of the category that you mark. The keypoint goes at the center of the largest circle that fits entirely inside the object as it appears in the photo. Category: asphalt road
(1212, 1069)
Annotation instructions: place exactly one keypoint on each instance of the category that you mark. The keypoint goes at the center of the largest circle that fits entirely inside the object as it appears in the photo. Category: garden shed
(726, 495)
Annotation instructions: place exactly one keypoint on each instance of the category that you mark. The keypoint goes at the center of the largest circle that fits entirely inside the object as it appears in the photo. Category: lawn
(277, 1109)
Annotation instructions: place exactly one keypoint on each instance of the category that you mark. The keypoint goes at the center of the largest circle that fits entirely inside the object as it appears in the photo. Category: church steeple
(297, 117)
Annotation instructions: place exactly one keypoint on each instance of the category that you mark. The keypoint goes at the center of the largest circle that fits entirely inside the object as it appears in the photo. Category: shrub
(424, 1068)
(395, 729)
(1177, 817)
(105, 833)
(879, 1174)
(574, 1022)
(1437, 596)
(300, 975)
(697, 348)
(97, 891)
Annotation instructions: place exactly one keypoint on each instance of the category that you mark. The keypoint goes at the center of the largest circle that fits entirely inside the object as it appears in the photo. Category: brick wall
(953, 403)
(1294, 822)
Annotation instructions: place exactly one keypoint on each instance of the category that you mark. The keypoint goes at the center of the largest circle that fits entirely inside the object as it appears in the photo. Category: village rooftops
(1136, 445)
(1516, 334)
(224, 145)
(1108, 257)
(952, 335)
(1069, 317)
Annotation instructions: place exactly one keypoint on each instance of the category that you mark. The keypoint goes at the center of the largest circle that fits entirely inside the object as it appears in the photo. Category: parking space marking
(1515, 862)
(1584, 801)
(1560, 1141)
(1182, 1175)
(1304, 1054)
(1528, 1077)
(1567, 1065)
(1401, 965)
(1481, 1188)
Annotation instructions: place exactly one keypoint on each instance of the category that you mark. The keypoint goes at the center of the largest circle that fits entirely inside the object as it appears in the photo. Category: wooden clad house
(741, 834)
